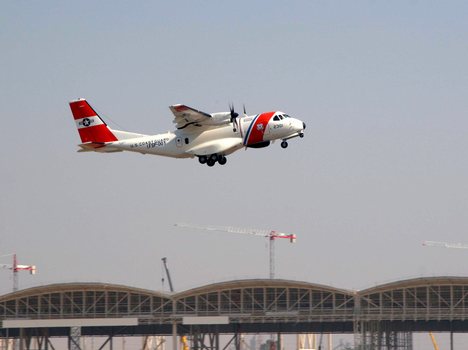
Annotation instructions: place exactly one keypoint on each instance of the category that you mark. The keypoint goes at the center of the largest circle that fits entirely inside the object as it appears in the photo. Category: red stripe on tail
(90, 132)
(82, 109)
(98, 133)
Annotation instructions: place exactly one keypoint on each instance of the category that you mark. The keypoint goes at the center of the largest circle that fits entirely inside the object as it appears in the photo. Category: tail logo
(88, 121)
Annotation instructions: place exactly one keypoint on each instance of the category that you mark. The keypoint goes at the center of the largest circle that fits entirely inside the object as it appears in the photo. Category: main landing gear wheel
(222, 160)
(301, 135)
(284, 144)
(212, 159)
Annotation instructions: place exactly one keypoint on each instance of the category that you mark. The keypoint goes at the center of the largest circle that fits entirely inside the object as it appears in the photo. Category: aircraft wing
(185, 116)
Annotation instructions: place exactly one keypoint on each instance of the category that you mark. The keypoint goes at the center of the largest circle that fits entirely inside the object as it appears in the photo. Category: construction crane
(445, 245)
(15, 268)
(183, 339)
(272, 235)
(171, 287)
(156, 342)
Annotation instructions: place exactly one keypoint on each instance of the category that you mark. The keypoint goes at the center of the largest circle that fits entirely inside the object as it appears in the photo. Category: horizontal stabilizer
(97, 147)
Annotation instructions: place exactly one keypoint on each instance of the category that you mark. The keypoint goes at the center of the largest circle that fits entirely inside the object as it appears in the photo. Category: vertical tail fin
(90, 126)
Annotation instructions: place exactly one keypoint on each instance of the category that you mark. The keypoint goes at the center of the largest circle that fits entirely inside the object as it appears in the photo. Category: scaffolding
(375, 335)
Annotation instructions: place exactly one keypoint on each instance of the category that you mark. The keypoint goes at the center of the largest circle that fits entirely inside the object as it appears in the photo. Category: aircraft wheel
(222, 160)
(301, 135)
(202, 159)
(214, 157)
(210, 162)
(284, 144)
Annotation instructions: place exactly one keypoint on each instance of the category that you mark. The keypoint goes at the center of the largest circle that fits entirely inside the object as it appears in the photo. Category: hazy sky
(381, 85)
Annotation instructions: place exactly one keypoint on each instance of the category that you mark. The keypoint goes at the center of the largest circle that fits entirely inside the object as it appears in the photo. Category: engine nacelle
(221, 118)
(260, 144)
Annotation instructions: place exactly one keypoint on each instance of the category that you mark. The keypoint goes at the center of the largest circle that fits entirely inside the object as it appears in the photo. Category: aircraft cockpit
(279, 117)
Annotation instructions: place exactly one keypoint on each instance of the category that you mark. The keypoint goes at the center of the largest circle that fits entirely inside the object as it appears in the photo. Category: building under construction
(380, 317)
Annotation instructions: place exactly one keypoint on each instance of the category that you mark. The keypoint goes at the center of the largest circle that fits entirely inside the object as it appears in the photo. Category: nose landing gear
(284, 142)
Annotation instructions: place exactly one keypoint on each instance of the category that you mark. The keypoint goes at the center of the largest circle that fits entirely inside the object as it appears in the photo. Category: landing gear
(301, 135)
(212, 159)
(222, 160)
(284, 144)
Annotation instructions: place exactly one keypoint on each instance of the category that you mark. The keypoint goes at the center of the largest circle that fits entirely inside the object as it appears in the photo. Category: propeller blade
(234, 116)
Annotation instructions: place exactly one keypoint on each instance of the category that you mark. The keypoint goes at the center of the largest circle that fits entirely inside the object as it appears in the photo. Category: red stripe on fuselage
(259, 128)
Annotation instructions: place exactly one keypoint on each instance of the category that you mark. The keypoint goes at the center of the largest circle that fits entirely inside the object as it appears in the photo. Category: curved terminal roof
(261, 283)
(246, 283)
(210, 288)
(80, 286)
(241, 297)
(417, 282)
(256, 304)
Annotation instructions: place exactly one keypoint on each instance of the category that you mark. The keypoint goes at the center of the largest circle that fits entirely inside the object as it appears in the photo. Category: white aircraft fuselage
(210, 137)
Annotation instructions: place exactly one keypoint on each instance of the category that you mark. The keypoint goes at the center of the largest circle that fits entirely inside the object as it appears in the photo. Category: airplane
(208, 136)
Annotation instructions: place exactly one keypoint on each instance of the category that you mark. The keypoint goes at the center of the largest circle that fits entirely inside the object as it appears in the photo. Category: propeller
(234, 116)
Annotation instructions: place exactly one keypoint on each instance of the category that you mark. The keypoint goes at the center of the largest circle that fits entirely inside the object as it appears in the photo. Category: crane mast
(15, 268)
(171, 287)
(272, 235)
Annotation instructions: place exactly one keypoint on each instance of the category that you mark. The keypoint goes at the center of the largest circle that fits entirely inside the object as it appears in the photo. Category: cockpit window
(287, 116)
(276, 118)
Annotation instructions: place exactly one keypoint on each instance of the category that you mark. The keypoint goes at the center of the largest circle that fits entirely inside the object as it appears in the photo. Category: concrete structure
(382, 316)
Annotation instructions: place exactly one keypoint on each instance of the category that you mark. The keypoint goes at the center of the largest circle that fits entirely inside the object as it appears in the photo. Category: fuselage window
(186, 140)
